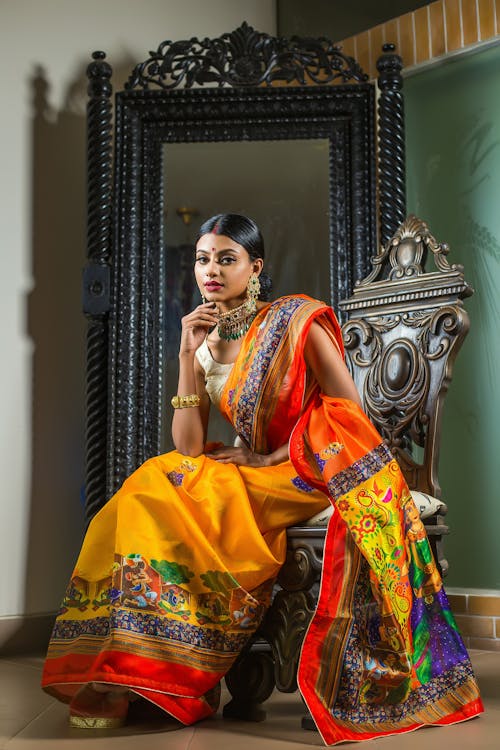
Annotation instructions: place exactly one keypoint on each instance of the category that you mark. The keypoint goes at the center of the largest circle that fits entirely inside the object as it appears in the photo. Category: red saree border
(339, 574)
(109, 663)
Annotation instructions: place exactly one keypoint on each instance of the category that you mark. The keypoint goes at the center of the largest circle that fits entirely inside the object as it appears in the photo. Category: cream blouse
(216, 373)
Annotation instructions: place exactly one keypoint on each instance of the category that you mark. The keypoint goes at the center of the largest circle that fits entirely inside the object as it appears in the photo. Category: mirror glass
(283, 185)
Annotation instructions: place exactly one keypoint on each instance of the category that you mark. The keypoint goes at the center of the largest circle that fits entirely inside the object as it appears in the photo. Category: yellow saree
(176, 570)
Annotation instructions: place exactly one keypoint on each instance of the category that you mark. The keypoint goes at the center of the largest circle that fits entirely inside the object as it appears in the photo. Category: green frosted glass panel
(453, 179)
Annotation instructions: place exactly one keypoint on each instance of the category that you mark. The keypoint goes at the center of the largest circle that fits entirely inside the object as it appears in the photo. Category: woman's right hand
(195, 326)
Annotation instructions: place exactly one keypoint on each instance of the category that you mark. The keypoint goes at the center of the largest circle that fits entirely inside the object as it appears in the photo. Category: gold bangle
(183, 402)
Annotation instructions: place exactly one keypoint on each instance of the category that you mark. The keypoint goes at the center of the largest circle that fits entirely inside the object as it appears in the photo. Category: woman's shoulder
(293, 309)
(298, 300)
(302, 308)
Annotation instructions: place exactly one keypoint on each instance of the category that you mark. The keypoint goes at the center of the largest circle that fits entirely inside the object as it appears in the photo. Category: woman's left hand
(240, 456)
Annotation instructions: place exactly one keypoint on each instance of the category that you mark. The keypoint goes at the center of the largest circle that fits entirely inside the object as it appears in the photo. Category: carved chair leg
(436, 529)
(284, 629)
(250, 682)
(271, 660)
(307, 722)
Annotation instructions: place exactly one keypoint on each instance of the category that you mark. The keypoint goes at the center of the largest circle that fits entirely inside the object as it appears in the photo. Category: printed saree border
(151, 648)
(336, 637)
(135, 623)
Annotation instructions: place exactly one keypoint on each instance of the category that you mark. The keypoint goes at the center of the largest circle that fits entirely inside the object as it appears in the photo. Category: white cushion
(321, 518)
(426, 504)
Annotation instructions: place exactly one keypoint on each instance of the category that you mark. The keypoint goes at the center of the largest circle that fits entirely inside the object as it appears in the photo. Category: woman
(177, 569)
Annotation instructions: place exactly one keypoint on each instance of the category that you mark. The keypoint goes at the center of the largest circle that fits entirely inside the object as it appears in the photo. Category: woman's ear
(257, 265)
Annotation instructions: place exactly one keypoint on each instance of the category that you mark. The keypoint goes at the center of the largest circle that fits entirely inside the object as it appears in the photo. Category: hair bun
(266, 286)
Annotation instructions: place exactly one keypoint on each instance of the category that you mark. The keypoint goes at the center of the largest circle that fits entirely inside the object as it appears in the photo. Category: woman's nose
(211, 268)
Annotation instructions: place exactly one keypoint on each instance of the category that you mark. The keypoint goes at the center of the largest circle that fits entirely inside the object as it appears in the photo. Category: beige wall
(45, 47)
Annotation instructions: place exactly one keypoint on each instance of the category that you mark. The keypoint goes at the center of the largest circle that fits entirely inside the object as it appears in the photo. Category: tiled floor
(31, 720)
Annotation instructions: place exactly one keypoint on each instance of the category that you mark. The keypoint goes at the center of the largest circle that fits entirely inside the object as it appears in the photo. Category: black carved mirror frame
(242, 86)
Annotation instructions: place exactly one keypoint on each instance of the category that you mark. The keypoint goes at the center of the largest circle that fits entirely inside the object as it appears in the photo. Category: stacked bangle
(183, 402)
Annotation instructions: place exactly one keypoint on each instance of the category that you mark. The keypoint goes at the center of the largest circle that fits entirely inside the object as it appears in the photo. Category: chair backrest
(405, 327)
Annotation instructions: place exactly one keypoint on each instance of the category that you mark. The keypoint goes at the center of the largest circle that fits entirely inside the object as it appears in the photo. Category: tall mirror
(281, 130)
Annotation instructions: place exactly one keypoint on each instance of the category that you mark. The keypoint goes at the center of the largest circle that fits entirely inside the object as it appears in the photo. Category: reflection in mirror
(283, 185)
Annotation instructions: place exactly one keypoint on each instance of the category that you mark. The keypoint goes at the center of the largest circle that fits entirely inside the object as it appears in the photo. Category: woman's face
(222, 269)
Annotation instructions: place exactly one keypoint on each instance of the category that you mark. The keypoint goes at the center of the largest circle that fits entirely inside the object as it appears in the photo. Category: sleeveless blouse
(216, 373)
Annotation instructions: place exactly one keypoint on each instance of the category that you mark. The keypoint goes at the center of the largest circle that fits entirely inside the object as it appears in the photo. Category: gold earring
(203, 300)
(253, 287)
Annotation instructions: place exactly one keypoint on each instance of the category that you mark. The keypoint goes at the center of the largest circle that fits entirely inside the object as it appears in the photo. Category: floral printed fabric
(383, 654)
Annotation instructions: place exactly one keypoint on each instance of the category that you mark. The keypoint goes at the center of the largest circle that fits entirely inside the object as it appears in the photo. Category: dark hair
(246, 233)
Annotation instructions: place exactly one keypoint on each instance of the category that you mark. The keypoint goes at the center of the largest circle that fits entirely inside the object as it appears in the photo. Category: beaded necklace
(234, 323)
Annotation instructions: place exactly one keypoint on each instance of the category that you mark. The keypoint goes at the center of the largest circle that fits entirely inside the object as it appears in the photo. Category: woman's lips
(212, 286)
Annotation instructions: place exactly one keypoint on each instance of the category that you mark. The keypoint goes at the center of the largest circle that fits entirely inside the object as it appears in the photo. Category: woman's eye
(228, 259)
(201, 259)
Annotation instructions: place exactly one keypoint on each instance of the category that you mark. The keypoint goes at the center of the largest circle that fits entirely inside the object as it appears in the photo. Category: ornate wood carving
(284, 629)
(304, 558)
(250, 682)
(273, 660)
(96, 281)
(391, 143)
(245, 57)
(405, 256)
(282, 632)
(404, 331)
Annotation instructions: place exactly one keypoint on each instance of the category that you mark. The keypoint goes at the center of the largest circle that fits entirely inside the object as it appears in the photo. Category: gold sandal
(96, 709)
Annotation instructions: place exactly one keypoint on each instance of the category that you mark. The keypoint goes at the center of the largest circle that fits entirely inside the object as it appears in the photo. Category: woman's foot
(99, 706)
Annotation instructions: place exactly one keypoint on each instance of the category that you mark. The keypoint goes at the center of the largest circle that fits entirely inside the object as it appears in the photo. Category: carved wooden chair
(405, 327)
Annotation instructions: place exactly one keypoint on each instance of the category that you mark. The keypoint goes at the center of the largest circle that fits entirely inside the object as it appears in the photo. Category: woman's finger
(206, 309)
(199, 315)
(226, 452)
(201, 319)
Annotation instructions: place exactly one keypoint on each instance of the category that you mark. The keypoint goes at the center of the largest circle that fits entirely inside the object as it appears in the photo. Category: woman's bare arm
(189, 425)
(328, 366)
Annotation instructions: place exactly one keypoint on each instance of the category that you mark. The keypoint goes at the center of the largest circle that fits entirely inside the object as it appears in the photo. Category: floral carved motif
(245, 57)
(405, 254)
(404, 358)
(284, 628)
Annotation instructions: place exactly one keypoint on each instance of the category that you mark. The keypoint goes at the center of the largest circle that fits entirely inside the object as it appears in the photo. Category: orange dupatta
(382, 654)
